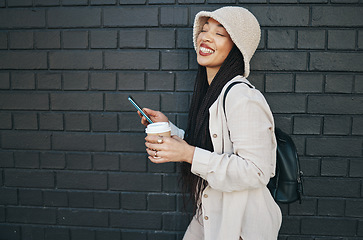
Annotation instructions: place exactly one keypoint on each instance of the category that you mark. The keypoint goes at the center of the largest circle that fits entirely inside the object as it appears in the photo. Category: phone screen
(139, 109)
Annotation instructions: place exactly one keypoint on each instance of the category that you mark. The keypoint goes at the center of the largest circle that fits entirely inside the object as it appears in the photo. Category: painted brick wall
(72, 158)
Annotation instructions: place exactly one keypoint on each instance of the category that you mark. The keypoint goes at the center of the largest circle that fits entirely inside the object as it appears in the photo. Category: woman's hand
(155, 116)
(168, 149)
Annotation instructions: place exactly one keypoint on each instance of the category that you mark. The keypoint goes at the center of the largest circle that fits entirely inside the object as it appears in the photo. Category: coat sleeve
(251, 126)
(176, 131)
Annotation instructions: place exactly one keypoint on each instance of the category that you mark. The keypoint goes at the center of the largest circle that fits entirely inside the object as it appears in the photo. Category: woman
(228, 155)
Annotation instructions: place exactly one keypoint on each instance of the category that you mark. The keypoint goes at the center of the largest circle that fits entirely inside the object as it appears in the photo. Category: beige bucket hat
(240, 24)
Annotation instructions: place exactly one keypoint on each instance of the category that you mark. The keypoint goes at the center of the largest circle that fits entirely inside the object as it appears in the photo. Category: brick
(311, 39)
(47, 40)
(107, 200)
(161, 168)
(78, 142)
(131, 17)
(160, 81)
(286, 103)
(334, 104)
(334, 167)
(305, 208)
(135, 220)
(184, 81)
(51, 121)
(106, 162)
(190, 1)
(334, 146)
(133, 201)
(32, 232)
(337, 125)
(161, 202)
(8, 196)
(5, 121)
(31, 215)
(76, 101)
(80, 199)
(77, 121)
(25, 140)
(358, 84)
(3, 40)
(10, 232)
(174, 16)
(46, 3)
(184, 38)
(4, 80)
(69, 17)
(23, 60)
(356, 168)
(171, 183)
(281, 15)
(331, 207)
(26, 159)
(75, 81)
(133, 162)
(21, 40)
(22, 81)
(109, 234)
(55, 198)
(103, 2)
(337, 16)
(161, 38)
(75, 60)
(21, 3)
(342, 187)
(175, 222)
(132, 38)
(130, 81)
(134, 182)
(174, 60)
(306, 82)
(307, 125)
(79, 161)
(328, 226)
(119, 102)
(33, 179)
(25, 121)
(143, 60)
(87, 218)
(49, 81)
(52, 160)
(354, 208)
(124, 2)
(161, 236)
(30, 197)
(336, 61)
(83, 234)
(357, 123)
(175, 102)
(103, 81)
(124, 142)
(75, 2)
(81, 180)
(360, 39)
(132, 235)
(193, 64)
(75, 39)
(339, 83)
(55, 233)
(104, 122)
(22, 18)
(341, 39)
(161, 1)
(279, 61)
(103, 39)
(281, 39)
(7, 159)
(129, 122)
(279, 83)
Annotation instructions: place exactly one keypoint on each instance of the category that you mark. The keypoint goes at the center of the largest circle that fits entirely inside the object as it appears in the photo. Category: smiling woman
(226, 160)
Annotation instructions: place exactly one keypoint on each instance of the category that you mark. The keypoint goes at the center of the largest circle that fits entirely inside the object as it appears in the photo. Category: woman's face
(213, 45)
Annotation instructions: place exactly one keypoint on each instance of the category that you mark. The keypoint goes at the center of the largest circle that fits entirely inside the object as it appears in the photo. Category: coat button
(206, 217)
(205, 195)
(215, 135)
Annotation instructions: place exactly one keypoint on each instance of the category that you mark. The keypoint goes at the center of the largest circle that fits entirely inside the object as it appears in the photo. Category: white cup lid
(158, 127)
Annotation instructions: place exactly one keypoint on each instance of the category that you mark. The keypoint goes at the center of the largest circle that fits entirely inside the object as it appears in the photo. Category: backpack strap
(227, 90)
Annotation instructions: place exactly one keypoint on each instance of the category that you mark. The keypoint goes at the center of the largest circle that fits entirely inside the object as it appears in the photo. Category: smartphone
(139, 109)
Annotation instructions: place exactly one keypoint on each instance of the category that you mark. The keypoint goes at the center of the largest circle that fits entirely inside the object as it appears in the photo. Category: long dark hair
(197, 133)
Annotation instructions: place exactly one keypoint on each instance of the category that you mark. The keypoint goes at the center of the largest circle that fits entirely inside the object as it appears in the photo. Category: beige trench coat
(236, 202)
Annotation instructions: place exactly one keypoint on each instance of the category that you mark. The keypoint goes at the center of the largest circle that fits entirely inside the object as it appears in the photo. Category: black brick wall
(72, 158)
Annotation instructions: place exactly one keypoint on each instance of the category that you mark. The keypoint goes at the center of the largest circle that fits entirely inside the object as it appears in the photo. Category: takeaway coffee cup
(159, 129)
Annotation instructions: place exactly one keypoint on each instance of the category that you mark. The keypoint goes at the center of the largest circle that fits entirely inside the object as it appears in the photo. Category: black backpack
(286, 186)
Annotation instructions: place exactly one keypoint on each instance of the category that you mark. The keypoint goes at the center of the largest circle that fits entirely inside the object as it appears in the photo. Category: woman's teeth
(206, 50)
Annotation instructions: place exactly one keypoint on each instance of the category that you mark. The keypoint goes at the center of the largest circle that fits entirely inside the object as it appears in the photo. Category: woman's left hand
(168, 149)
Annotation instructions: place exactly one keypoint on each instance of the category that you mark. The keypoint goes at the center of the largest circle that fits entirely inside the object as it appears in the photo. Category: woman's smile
(204, 50)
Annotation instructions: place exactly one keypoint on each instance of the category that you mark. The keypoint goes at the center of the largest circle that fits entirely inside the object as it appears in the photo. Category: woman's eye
(220, 34)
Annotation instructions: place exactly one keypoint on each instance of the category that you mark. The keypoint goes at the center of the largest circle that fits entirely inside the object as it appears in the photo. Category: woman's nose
(207, 37)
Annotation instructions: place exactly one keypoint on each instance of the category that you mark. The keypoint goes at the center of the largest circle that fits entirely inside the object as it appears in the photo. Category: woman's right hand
(155, 116)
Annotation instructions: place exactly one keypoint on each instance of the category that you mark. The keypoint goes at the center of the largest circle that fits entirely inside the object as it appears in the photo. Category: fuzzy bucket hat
(241, 25)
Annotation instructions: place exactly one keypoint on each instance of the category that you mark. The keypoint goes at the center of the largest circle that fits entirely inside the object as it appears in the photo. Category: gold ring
(156, 154)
